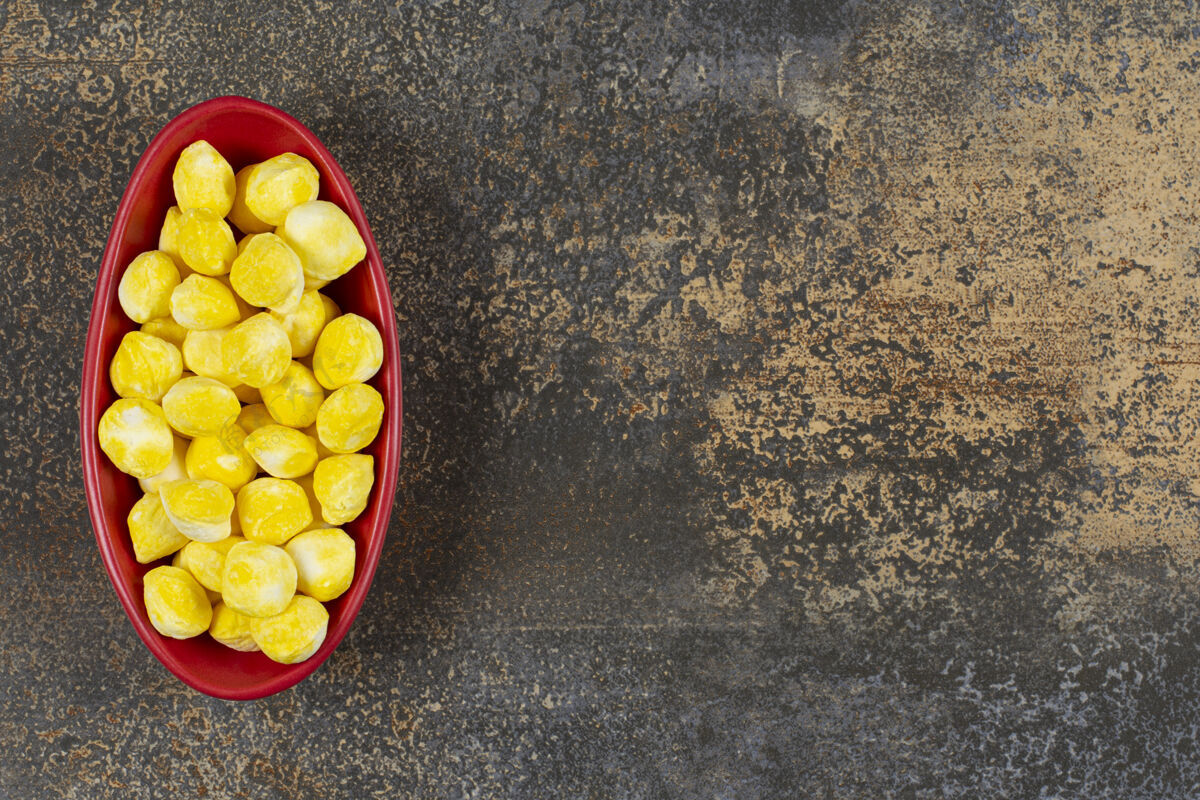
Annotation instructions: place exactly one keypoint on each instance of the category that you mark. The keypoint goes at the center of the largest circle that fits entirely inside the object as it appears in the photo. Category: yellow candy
(304, 324)
(324, 562)
(145, 289)
(240, 215)
(202, 303)
(267, 273)
(272, 510)
(205, 561)
(349, 350)
(200, 509)
(200, 406)
(134, 434)
(205, 242)
(325, 239)
(176, 604)
(231, 628)
(279, 184)
(293, 635)
(175, 470)
(295, 399)
(203, 179)
(221, 458)
(144, 366)
(342, 485)
(258, 580)
(282, 452)
(349, 420)
(253, 417)
(166, 329)
(152, 533)
(257, 351)
(202, 355)
(168, 238)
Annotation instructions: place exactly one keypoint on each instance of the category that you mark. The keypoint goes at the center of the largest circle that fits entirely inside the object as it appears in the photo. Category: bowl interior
(244, 131)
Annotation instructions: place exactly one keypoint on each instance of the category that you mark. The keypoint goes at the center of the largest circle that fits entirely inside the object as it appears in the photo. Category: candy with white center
(222, 458)
(349, 350)
(151, 531)
(324, 237)
(146, 285)
(268, 274)
(272, 510)
(324, 562)
(206, 560)
(257, 351)
(200, 406)
(205, 242)
(200, 509)
(295, 634)
(203, 179)
(176, 604)
(281, 451)
(134, 434)
(342, 485)
(202, 303)
(258, 580)
(279, 184)
(144, 366)
(350, 418)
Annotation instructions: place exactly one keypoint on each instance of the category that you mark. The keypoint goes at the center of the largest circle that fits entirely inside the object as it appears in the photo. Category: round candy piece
(267, 273)
(202, 355)
(206, 560)
(221, 458)
(144, 366)
(253, 417)
(304, 324)
(349, 420)
(205, 242)
(281, 451)
(258, 580)
(200, 406)
(342, 485)
(272, 510)
(296, 398)
(203, 179)
(293, 635)
(324, 562)
(145, 289)
(134, 434)
(231, 628)
(202, 303)
(176, 604)
(240, 215)
(166, 329)
(257, 351)
(349, 350)
(151, 531)
(277, 185)
(175, 470)
(324, 237)
(200, 509)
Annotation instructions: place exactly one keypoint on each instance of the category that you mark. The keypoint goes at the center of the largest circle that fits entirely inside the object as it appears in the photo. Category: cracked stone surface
(801, 399)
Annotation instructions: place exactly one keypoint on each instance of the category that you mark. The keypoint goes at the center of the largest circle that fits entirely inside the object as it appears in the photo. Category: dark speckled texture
(801, 399)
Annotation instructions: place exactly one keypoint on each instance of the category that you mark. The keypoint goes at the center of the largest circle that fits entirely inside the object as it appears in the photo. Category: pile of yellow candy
(243, 405)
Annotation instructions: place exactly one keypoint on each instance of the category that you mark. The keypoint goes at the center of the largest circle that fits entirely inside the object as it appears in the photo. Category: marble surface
(801, 399)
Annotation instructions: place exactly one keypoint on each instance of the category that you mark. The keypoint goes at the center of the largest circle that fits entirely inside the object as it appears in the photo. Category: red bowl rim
(94, 373)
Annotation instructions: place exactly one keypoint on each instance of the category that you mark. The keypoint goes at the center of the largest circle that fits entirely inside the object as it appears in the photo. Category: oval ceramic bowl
(244, 131)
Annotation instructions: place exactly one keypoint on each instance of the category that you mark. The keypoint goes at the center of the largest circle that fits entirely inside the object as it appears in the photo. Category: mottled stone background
(802, 399)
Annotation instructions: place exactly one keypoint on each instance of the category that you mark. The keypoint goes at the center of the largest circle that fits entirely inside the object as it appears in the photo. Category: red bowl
(244, 131)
